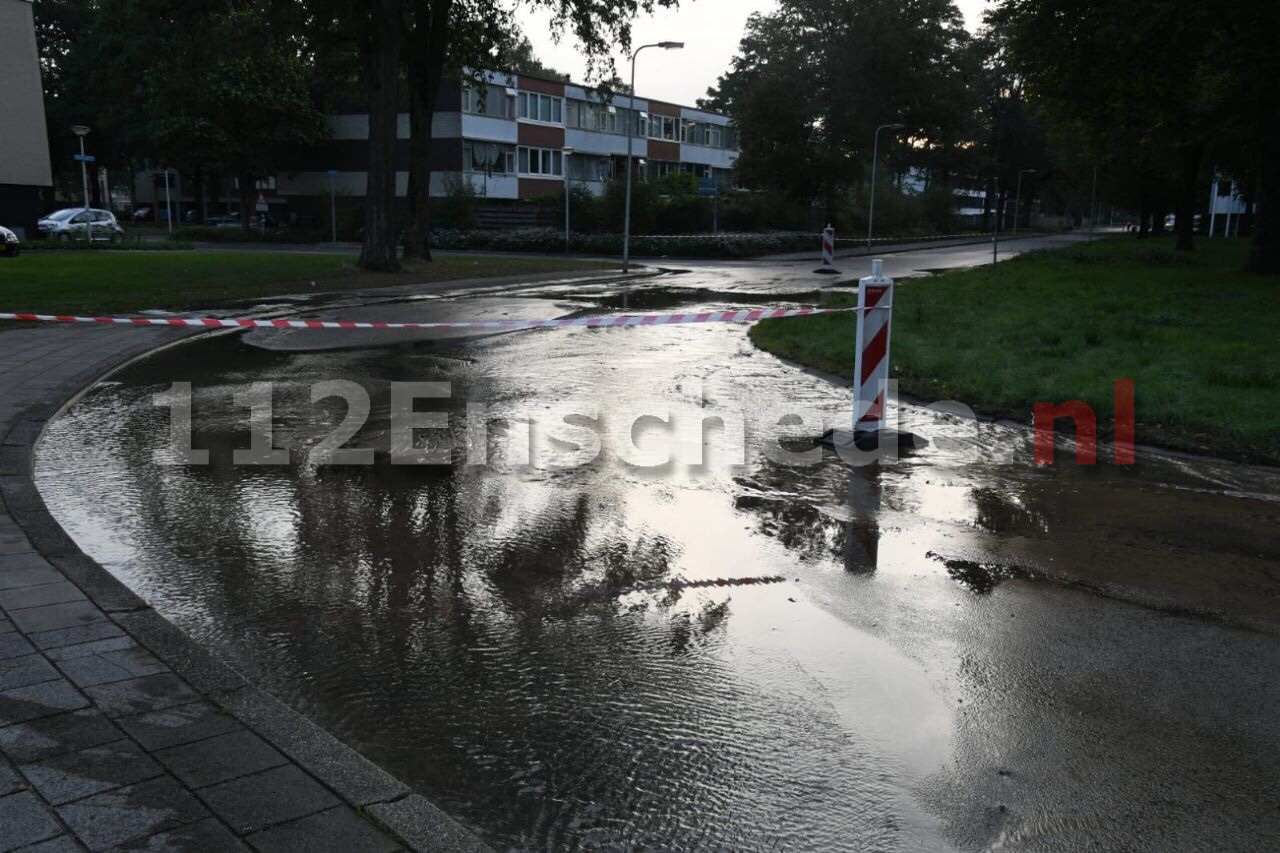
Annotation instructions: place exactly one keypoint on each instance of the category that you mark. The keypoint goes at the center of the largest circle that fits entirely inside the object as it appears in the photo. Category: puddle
(586, 657)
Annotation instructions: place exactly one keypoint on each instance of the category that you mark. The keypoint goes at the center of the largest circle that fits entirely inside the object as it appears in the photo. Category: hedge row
(102, 246)
(208, 234)
(551, 240)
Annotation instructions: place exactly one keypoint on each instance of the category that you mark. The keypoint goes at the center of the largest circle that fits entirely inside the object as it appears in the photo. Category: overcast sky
(710, 29)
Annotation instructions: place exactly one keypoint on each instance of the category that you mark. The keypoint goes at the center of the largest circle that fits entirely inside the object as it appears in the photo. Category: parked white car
(73, 223)
(10, 246)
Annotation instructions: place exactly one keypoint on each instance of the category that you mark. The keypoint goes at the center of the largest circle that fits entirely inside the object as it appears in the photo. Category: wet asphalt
(955, 650)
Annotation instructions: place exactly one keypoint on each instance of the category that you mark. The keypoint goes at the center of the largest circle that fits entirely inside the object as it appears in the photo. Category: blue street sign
(333, 173)
(88, 158)
(706, 187)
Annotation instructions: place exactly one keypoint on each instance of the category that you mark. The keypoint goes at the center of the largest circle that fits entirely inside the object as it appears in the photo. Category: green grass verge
(123, 281)
(1199, 338)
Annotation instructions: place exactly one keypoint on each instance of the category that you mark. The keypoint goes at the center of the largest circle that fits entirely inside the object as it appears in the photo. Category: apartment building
(24, 141)
(510, 138)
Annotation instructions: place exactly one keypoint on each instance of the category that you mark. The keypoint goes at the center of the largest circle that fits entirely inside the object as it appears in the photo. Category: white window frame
(549, 162)
(550, 108)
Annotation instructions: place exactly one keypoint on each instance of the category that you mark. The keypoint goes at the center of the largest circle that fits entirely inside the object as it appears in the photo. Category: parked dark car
(10, 246)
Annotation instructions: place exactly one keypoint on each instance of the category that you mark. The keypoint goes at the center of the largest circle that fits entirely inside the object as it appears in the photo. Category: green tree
(1158, 84)
(815, 78)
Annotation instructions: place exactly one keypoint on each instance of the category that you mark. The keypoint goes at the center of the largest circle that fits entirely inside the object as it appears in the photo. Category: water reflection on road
(967, 651)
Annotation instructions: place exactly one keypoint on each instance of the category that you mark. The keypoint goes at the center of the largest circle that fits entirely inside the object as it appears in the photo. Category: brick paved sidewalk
(116, 730)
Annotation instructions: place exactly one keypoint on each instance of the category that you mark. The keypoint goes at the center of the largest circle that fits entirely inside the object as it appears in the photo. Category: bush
(458, 207)
(125, 245)
(551, 240)
(724, 245)
(207, 234)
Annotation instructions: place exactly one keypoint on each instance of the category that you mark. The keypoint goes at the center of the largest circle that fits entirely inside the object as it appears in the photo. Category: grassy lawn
(128, 281)
(1200, 339)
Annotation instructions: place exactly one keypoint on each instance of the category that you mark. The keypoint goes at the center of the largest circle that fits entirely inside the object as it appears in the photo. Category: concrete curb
(374, 793)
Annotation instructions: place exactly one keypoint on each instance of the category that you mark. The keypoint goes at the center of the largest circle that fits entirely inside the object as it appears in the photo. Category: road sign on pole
(262, 205)
(85, 158)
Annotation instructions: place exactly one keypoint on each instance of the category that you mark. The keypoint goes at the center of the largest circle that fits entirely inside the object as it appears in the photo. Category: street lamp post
(565, 154)
(875, 156)
(81, 131)
(333, 207)
(995, 223)
(631, 122)
(1017, 199)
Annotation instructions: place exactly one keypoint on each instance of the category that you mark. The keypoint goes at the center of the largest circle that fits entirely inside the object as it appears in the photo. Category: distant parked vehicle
(228, 221)
(1171, 221)
(77, 223)
(142, 214)
(10, 246)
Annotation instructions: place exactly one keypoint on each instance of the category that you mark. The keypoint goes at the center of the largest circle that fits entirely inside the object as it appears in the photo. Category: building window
(664, 127)
(544, 108)
(541, 162)
(491, 157)
(491, 100)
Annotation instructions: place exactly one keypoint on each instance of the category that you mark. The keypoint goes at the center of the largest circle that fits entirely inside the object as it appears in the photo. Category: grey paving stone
(61, 844)
(39, 700)
(204, 671)
(90, 771)
(24, 821)
(139, 695)
(75, 636)
(206, 836)
(10, 782)
(50, 736)
(6, 626)
(336, 829)
(35, 596)
(22, 671)
(18, 562)
(14, 645)
(354, 777)
(97, 647)
(15, 545)
(423, 826)
(111, 666)
(178, 725)
(116, 817)
(34, 575)
(268, 798)
(220, 759)
(53, 617)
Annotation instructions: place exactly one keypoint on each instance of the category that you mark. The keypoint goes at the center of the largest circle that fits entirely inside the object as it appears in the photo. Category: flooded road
(721, 649)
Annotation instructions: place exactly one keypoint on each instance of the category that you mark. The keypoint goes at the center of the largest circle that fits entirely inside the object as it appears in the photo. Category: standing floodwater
(1018, 668)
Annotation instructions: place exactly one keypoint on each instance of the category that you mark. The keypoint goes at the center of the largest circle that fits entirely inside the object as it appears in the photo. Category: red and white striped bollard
(871, 364)
(828, 252)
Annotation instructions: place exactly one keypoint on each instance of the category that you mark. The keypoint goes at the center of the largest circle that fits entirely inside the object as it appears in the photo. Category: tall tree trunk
(1264, 250)
(1144, 206)
(987, 206)
(425, 65)
(382, 76)
(1184, 223)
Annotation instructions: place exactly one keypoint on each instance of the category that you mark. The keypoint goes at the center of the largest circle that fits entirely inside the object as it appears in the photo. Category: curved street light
(631, 122)
(875, 155)
(81, 131)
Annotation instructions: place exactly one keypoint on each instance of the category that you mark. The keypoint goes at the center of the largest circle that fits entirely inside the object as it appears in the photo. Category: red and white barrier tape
(589, 322)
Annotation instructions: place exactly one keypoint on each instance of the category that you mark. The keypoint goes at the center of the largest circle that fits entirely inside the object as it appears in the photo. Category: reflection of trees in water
(1020, 514)
(481, 634)
(820, 512)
